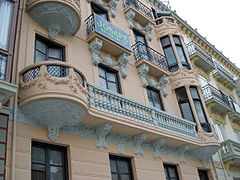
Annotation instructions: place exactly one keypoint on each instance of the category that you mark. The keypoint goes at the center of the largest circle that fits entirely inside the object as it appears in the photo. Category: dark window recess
(184, 104)
(154, 98)
(109, 79)
(199, 109)
(181, 53)
(168, 51)
(99, 11)
(48, 162)
(203, 175)
(121, 168)
(142, 46)
(170, 172)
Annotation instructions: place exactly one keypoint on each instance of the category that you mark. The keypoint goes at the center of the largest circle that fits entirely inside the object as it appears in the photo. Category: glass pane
(1, 166)
(165, 41)
(56, 173)
(103, 83)
(181, 94)
(2, 150)
(5, 22)
(123, 166)
(200, 112)
(181, 54)
(176, 40)
(219, 132)
(112, 86)
(38, 167)
(115, 177)
(3, 62)
(55, 157)
(3, 121)
(125, 177)
(40, 57)
(170, 56)
(41, 46)
(101, 72)
(186, 111)
(194, 93)
(54, 53)
(38, 155)
(3, 135)
(111, 77)
(165, 171)
(172, 172)
(38, 175)
(1, 177)
(113, 166)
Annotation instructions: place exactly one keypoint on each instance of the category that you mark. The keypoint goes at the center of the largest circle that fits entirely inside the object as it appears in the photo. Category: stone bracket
(101, 133)
(181, 152)
(162, 80)
(157, 145)
(132, 24)
(137, 141)
(53, 133)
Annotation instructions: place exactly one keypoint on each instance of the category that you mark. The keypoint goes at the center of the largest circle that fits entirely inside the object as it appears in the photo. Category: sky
(217, 20)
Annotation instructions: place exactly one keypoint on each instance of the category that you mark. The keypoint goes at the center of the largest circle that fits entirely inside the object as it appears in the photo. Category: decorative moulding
(132, 24)
(162, 80)
(181, 152)
(101, 133)
(138, 141)
(157, 145)
(95, 48)
(112, 5)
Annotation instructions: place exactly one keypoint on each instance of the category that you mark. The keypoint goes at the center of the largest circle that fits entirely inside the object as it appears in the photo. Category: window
(203, 174)
(99, 11)
(170, 172)
(218, 128)
(109, 79)
(46, 50)
(48, 162)
(184, 104)
(141, 45)
(168, 51)
(154, 98)
(121, 168)
(3, 143)
(3, 63)
(181, 53)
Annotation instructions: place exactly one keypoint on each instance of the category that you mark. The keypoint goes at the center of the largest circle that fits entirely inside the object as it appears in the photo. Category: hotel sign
(111, 32)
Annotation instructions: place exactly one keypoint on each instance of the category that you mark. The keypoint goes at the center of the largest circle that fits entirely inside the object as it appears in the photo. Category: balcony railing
(141, 50)
(166, 19)
(138, 6)
(225, 73)
(230, 150)
(192, 48)
(120, 105)
(211, 92)
(90, 24)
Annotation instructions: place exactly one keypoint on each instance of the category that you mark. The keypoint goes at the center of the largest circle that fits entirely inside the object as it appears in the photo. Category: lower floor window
(121, 168)
(203, 174)
(48, 162)
(170, 172)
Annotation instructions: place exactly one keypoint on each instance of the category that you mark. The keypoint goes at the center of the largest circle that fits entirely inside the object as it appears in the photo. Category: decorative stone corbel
(162, 80)
(157, 145)
(53, 133)
(112, 5)
(138, 140)
(181, 152)
(95, 47)
(101, 133)
(132, 24)
(53, 31)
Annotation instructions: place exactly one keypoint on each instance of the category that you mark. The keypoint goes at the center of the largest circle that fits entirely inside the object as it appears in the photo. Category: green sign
(111, 32)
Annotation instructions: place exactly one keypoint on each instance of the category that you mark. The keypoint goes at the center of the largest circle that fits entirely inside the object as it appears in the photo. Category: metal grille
(90, 24)
(30, 75)
(206, 127)
(80, 78)
(141, 50)
(138, 6)
(223, 71)
(3, 62)
(58, 71)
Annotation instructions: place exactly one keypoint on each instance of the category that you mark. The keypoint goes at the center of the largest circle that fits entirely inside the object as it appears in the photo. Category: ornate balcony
(157, 63)
(57, 16)
(224, 77)
(238, 87)
(216, 99)
(200, 58)
(119, 105)
(143, 14)
(231, 152)
(52, 94)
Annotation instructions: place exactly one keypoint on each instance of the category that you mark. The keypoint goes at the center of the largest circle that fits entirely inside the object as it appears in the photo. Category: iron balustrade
(138, 6)
(141, 50)
(192, 48)
(90, 24)
(224, 72)
(117, 104)
(211, 92)
(31, 74)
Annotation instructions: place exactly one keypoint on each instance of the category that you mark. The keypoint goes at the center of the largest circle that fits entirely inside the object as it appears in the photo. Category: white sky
(217, 20)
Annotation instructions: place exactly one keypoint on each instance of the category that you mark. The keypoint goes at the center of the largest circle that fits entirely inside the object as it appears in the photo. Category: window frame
(167, 166)
(205, 172)
(97, 7)
(48, 147)
(150, 89)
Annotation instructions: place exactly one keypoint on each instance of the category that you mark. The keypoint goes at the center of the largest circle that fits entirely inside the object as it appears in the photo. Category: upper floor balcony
(102, 35)
(144, 54)
(231, 152)
(58, 16)
(216, 99)
(143, 14)
(200, 58)
(238, 87)
(224, 77)
(235, 114)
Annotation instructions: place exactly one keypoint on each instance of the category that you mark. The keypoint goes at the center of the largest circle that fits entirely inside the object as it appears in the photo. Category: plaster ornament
(138, 140)
(170, 157)
(53, 31)
(157, 145)
(95, 47)
(101, 133)
(53, 133)
(181, 152)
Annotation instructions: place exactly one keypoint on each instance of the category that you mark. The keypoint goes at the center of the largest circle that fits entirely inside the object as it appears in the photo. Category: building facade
(113, 90)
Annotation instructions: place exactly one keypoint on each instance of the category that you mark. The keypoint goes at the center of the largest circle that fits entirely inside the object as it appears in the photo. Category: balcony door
(141, 45)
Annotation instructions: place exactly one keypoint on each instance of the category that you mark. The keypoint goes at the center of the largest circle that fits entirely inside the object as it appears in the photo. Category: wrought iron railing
(30, 74)
(230, 150)
(166, 19)
(211, 92)
(138, 6)
(141, 50)
(117, 104)
(90, 26)
(224, 72)
(193, 47)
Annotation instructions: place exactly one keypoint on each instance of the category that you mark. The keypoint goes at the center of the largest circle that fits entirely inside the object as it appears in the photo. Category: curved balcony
(231, 152)
(57, 16)
(53, 94)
